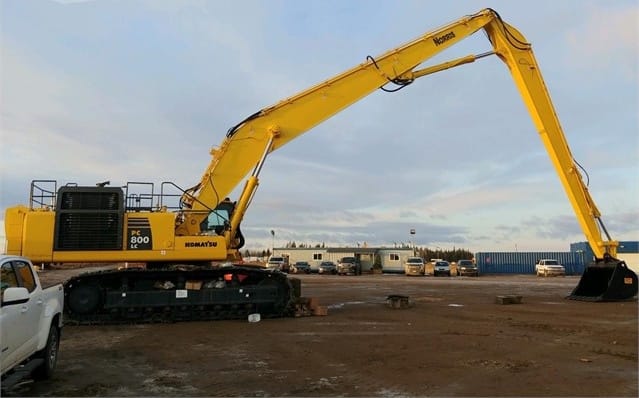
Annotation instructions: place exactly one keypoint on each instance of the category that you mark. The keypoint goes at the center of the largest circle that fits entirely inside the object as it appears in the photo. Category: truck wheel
(49, 353)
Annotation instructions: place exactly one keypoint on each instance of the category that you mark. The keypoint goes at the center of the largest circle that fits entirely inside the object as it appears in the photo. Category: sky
(140, 90)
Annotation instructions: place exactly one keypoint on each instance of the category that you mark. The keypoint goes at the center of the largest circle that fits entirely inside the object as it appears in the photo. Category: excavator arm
(513, 49)
(247, 144)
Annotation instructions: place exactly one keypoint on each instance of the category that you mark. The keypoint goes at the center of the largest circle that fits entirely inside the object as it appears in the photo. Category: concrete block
(508, 299)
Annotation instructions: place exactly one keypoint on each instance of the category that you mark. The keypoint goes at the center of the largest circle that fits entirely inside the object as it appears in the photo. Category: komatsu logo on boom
(201, 244)
(443, 38)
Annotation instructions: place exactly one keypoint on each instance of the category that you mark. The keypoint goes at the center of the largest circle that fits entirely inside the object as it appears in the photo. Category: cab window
(7, 276)
(26, 276)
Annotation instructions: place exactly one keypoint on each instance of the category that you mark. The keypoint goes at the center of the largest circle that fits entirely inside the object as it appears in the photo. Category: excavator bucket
(606, 280)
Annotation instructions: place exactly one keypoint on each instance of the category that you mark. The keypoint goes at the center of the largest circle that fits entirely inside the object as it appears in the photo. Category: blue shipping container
(524, 262)
(627, 246)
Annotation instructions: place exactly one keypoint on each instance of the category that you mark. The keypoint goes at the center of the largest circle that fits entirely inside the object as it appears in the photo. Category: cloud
(73, 1)
(607, 38)
(41, 125)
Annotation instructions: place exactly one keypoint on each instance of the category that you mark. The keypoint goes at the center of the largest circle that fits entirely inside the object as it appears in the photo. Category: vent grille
(90, 200)
(89, 218)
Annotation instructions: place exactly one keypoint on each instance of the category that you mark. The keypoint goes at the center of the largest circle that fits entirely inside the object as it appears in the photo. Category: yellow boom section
(287, 120)
(246, 143)
(512, 48)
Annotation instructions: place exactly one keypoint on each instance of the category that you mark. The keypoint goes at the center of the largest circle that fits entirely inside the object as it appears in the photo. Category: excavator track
(179, 294)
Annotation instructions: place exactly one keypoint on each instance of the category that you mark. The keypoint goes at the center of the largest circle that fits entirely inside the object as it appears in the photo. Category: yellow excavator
(184, 243)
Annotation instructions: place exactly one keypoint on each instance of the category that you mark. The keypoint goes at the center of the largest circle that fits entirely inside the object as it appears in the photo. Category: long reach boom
(246, 144)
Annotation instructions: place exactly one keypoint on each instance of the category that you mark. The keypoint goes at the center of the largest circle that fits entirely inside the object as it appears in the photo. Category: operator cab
(218, 219)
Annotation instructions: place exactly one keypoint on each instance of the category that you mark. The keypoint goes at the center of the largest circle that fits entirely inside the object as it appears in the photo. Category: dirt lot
(454, 341)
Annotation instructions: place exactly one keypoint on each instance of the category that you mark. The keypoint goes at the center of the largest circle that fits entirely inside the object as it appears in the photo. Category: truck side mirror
(15, 295)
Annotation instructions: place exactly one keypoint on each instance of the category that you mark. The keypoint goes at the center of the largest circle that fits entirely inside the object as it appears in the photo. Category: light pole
(272, 242)
(412, 232)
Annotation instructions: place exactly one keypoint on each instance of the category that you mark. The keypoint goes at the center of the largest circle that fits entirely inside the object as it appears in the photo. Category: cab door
(20, 321)
(9, 316)
(33, 310)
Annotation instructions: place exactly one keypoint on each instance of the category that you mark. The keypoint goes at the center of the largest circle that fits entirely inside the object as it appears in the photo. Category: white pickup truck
(30, 323)
(549, 266)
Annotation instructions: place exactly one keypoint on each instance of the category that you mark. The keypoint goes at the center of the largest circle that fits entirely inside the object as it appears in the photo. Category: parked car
(277, 263)
(30, 323)
(548, 267)
(301, 267)
(441, 267)
(414, 266)
(467, 267)
(327, 267)
(349, 265)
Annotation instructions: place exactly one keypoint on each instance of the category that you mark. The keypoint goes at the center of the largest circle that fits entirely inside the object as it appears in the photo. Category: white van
(277, 263)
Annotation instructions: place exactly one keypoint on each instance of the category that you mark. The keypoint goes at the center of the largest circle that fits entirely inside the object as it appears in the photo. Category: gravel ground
(453, 340)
